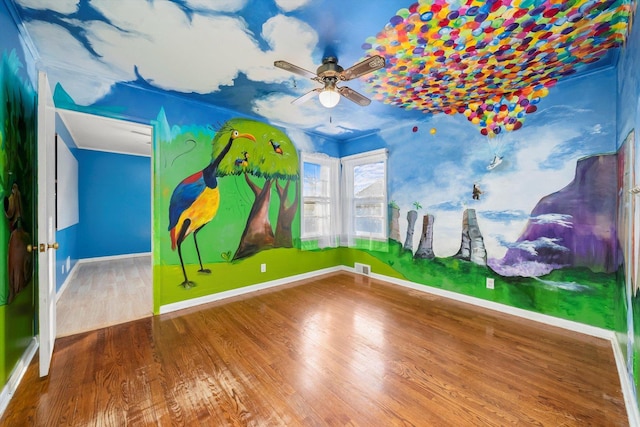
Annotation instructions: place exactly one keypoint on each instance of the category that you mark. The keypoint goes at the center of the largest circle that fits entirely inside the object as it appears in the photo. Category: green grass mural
(575, 294)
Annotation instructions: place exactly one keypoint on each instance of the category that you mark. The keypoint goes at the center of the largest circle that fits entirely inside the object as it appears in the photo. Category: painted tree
(273, 158)
(286, 214)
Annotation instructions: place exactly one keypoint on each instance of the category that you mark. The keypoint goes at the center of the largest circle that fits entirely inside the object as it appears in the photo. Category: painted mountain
(574, 227)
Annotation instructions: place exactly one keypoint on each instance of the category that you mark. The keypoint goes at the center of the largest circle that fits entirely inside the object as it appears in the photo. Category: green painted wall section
(463, 277)
(16, 330)
(17, 197)
(269, 162)
(281, 263)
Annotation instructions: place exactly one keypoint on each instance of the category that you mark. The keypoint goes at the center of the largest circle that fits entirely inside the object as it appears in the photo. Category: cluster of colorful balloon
(489, 59)
(504, 112)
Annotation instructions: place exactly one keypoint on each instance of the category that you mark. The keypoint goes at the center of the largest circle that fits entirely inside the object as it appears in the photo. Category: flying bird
(276, 146)
(194, 203)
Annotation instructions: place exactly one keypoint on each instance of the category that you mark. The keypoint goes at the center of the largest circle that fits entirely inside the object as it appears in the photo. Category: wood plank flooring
(337, 350)
(105, 293)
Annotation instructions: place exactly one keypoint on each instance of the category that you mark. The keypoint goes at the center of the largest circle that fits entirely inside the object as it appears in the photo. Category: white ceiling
(91, 132)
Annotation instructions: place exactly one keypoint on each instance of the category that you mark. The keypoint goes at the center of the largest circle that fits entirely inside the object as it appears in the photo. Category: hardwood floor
(105, 293)
(337, 350)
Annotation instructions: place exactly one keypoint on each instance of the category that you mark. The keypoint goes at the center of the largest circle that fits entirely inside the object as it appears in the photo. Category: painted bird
(195, 202)
(276, 146)
(242, 161)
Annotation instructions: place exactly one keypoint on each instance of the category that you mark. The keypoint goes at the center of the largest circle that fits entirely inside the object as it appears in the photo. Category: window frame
(332, 199)
(349, 163)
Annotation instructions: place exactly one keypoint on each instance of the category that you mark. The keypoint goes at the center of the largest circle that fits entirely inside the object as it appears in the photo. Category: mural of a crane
(195, 202)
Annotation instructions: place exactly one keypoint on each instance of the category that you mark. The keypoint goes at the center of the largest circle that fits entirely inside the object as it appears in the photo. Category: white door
(46, 223)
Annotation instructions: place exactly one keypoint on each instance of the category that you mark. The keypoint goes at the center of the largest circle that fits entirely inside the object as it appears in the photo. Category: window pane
(369, 209)
(368, 180)
(311, 226)
(314, 208)
(316, 180)
(316, 218)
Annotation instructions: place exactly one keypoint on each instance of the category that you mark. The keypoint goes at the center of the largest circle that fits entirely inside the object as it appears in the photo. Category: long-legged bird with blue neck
(195, 202)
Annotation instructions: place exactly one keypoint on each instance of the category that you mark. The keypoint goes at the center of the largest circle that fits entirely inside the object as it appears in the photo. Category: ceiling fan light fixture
(329, 98)
(328, 74)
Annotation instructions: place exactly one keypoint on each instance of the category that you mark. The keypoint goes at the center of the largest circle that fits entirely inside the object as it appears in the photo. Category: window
(365, 187)
(320, 201)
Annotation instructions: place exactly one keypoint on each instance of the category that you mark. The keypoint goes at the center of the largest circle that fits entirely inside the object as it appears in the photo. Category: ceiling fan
(329, 74)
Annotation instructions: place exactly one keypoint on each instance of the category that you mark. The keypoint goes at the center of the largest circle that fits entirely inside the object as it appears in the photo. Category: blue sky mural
(438, 170)
(223, 52)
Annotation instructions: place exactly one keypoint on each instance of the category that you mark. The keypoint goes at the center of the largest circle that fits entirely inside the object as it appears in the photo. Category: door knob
(53, 245)
(42, 247)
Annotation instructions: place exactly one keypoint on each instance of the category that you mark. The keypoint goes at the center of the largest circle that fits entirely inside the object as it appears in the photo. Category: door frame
(95, 128)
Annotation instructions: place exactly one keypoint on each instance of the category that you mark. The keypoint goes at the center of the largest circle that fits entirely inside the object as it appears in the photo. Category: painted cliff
(574, 227)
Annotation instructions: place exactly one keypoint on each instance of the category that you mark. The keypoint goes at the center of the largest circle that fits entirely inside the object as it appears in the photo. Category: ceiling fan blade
(294, 69)
(361, 68)
(307, 96)
(354, 96)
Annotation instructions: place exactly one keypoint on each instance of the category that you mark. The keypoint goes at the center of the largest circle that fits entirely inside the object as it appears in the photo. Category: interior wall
(114, 203)
(183, 147)
(543, 227)
(18, 144)
(247, 219)
(628, 126)
(572, 135)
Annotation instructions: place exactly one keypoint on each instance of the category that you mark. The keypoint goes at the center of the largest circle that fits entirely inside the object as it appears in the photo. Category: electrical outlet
(263, 268)
(490, 283)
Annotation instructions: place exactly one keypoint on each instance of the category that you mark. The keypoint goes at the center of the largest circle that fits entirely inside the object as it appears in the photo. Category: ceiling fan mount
(329, 67)
(329, 74)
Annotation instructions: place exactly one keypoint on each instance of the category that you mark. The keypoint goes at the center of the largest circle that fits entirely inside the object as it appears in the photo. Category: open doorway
(105, 271)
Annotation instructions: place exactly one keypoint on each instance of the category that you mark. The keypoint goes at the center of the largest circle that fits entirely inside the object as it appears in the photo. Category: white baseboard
(502, 308)
(626, 384)
(112, 257)
(16, 375)
(244, 290)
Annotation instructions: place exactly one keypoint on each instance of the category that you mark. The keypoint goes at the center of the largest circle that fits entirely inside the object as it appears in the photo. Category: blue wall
(114, 198)
(115, 204)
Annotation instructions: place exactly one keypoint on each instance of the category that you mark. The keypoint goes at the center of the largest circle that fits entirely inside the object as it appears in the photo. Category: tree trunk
(284, 238)
(257, 234)
(411, 218)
